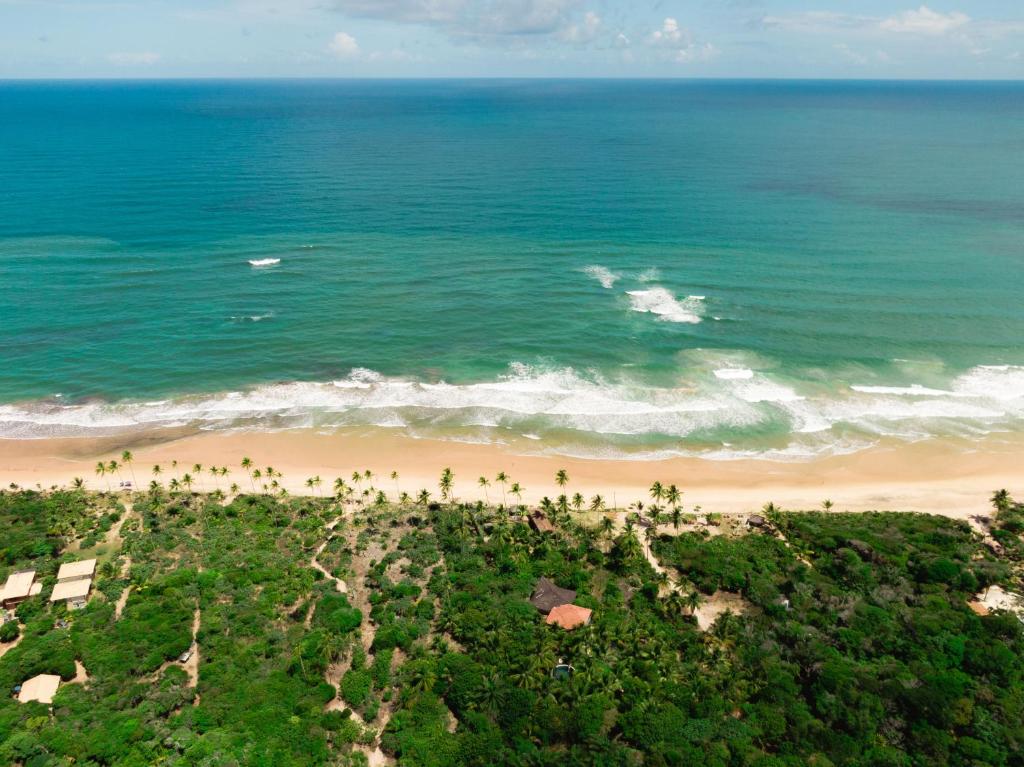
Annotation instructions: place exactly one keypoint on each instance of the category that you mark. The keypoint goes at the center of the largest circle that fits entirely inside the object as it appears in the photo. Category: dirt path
(121, 602)
(6, 648)
(81, 675)
(339, 584)
(191, 666)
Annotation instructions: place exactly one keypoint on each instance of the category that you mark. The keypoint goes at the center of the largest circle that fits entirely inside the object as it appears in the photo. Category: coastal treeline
(335, 629)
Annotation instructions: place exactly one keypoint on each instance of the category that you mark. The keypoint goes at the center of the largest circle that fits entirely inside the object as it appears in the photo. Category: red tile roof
(569, 616)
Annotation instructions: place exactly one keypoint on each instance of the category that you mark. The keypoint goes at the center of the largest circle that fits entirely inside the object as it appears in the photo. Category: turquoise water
(650, 268)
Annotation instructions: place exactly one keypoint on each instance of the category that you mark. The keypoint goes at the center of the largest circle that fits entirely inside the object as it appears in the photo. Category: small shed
(539, 522)
(569, 617)
(756, 520)
(547, 596)
(40, 689)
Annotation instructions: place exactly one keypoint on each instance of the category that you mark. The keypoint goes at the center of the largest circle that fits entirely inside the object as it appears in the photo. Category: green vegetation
(214, 637)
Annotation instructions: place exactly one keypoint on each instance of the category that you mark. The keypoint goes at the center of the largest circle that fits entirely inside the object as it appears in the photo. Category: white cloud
(585, 31)
(678, 43)
(812, 21)
(925, 21)
(344, 46)
(478, 20)
(134, 59)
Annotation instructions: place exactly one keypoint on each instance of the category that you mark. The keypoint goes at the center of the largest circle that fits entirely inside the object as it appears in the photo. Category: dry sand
(948, 477)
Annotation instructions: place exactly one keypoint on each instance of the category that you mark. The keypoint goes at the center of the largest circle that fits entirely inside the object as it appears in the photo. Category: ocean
(630, 268)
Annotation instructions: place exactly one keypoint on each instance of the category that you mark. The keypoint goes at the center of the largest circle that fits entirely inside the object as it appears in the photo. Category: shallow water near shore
(639, 270)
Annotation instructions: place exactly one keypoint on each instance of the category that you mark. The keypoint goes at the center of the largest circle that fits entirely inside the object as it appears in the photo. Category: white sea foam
(666, 306)
(602, 274)
(734, 374)
(716, 394)
(258, 262)
(649, 275)
(914, 390)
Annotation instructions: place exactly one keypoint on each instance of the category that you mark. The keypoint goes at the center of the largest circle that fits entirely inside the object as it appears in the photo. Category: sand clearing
(949, 477)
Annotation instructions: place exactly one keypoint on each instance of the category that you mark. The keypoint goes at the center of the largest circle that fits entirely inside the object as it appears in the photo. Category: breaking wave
(666, 306)
(713, 411)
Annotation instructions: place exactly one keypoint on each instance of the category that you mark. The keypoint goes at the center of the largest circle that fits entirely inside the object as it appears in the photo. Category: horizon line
(503, 78)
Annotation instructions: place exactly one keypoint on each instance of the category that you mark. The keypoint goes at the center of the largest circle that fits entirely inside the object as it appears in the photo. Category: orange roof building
(569, 617)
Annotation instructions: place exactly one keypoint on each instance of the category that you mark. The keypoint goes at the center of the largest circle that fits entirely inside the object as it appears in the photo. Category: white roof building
(78, 589)
(40, 688)
(72, 570)
(20, 586)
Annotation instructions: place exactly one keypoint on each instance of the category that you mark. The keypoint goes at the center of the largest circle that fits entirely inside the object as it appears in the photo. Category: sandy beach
(949, 478)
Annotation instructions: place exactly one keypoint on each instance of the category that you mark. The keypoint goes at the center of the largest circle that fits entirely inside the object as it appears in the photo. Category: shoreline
(952, 478)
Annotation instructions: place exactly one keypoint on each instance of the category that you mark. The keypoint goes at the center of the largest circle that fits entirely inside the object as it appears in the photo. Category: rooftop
(569, 616)
(546, 596)
(83, 569)
(19, 585)
(77, 589)
(40, 688)
(541, 523)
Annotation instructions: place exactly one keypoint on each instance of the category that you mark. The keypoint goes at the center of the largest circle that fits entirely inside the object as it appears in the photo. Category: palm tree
(517, 491)
(502, 478)
(316, 483)
(234, 488)
(484, 483)
(423, 498)
(101, 471)
(673, 495)
(827, 505)
(657, 492)
(607, 527)
(113, 467)
(404, 498)
(394, 478)
(561, 478)
(157, 471)
(257, 475)
(127, 458)
(174, 485)
(247, 465)
(676, 517)
(216, 473)
(339, 487)
(596, 503)
(577, 501)
(309, 483)
(446, 484)
(78, 483)
(186, 480)
(1001, 500)
(693, 600)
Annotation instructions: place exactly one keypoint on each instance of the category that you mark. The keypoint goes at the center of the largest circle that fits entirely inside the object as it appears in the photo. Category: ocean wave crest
(710, 409)
(666, 306)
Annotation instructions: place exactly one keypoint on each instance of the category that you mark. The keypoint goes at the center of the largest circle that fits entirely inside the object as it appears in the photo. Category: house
(40, 689)
(756, 520)
(569, 617)
(70, 571)
(75, 593)
(547, 596)
(74, 579)
(19, 587)
(540, 523)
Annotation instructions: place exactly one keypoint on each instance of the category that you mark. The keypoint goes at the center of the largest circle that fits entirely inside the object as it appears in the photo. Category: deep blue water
(498, 258)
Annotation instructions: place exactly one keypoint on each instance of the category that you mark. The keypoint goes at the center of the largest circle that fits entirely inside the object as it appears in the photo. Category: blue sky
(545, 38)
